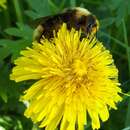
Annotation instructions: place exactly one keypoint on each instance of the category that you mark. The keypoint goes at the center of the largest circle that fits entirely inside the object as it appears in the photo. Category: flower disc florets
(73, 77)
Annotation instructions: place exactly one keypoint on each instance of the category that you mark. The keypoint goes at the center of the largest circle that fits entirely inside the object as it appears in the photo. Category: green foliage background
(16, 34)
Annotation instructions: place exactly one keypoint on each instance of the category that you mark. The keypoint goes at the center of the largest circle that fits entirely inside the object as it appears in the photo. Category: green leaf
(35, 127)
(107, 22)
(127, 128)
(118, 42)
(4, 96)
(113, 4)
(53, 6)
(13, 31)
(72, 3)
(40, 8)
(10, 123)
(127, 122)
(3, 82)
(18, 125)
(32, 14)
(2, 128)
(128, 6)
(56, 6)
(15, 47)
(22, 31)
(87, 127)
(121, 13)
(4, 52)
(5, 121)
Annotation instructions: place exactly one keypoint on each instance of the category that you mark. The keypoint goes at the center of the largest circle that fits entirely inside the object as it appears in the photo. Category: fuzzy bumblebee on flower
(75, 79)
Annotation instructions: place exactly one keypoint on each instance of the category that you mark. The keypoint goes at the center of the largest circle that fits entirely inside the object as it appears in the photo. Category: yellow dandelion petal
(75, 77)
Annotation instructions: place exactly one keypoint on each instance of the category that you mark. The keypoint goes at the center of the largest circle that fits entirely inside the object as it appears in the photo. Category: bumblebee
(78, 18)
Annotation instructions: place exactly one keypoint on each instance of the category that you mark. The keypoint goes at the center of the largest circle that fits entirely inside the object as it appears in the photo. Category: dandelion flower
(74, 79)
(3, 4)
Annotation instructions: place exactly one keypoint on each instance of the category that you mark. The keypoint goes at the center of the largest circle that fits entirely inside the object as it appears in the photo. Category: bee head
(86, 21)
(92, 24)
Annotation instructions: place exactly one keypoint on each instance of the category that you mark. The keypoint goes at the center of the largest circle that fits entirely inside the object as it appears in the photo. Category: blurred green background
(16, 34)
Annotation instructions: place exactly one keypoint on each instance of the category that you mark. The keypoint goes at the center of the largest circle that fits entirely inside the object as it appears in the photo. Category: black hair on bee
(78, 18)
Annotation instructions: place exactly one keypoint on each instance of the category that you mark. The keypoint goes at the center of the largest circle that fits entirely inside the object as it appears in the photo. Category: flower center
(79, 68)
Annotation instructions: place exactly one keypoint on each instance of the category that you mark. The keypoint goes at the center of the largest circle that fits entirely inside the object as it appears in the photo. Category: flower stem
(115, 40)
(126, 42)
(18, 11)
(127, 122)
(7, 18)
